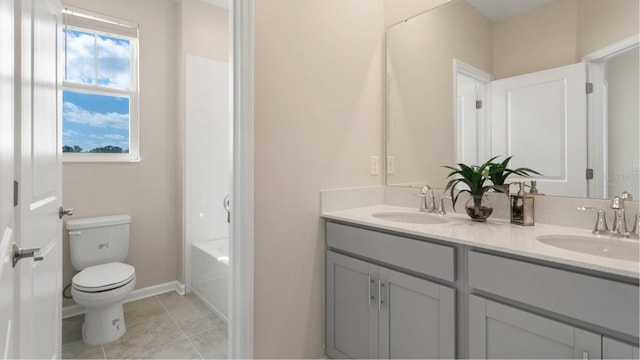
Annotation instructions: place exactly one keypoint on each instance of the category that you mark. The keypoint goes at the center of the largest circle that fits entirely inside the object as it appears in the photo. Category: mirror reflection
(474, 79)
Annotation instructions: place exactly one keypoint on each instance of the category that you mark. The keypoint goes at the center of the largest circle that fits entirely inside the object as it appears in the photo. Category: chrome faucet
(440, 209)
(426, 201)
(619, 220)
(635, 233)
(601, 227)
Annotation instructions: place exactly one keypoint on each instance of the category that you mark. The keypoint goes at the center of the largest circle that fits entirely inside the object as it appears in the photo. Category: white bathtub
(210, 274)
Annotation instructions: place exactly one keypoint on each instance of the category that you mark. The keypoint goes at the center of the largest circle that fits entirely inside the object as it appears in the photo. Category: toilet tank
(98, 240)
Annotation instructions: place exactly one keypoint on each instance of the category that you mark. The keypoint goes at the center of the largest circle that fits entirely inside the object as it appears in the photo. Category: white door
(467, 124)
(540, 119)
(38, 154)
(6, 181)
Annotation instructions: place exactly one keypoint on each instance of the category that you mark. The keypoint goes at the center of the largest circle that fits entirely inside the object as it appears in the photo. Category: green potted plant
(479, 180)
(499, 172)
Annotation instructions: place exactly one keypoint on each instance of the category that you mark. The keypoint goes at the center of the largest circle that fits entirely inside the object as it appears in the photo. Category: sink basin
(623, 249)
(410, 217)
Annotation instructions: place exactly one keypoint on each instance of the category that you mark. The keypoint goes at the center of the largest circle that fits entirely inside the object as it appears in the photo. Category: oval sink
(410, 217)
(610, 247)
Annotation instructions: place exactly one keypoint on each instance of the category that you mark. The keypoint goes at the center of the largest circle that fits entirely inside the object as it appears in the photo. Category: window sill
(99, 158)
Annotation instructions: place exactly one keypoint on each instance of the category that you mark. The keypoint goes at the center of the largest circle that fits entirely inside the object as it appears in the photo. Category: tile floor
(167, 326)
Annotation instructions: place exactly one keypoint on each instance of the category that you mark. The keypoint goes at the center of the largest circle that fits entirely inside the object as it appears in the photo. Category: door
(417, 318)
(467, 125)
(38, 168)
(540, 119)
(497, 331)
(352, 308)
(7, 321)
(614, 349)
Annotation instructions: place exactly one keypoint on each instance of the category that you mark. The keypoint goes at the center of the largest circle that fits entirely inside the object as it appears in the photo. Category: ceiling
(499, 9)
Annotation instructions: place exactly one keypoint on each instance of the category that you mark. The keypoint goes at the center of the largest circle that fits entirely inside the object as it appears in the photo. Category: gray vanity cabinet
(498, 331)
(614, 349)
(375, 312)
(352, 310)
(416, 318)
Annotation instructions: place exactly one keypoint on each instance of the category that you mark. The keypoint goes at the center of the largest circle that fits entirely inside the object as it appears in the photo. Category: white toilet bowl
(101, 290)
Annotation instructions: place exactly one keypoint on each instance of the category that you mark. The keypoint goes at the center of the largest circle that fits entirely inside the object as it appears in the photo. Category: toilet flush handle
(62, 212)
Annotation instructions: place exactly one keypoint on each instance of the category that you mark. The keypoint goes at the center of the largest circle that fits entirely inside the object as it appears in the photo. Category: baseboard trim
(211, 307)
(137, 294)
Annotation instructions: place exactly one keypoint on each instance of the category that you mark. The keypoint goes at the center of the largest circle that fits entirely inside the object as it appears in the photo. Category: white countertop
(495, 234)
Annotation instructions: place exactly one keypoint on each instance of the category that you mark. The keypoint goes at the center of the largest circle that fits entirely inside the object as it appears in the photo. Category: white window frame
(132, 93)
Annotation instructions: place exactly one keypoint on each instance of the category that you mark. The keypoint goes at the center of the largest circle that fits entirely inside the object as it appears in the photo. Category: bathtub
(210, 274)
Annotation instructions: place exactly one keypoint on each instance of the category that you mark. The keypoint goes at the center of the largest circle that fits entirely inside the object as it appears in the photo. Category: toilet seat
(103, 277)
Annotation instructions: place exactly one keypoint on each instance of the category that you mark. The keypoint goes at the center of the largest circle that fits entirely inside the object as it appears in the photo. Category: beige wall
(318, 118)
(396, 11)
(539, 39)
(420, 55)
(601, 23)
(147, 190)
(560, 33)
(205, 30)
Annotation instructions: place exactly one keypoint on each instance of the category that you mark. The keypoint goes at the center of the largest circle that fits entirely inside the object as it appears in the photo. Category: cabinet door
(416, 318)
(352, 310)
(497, 331)
(614, 349)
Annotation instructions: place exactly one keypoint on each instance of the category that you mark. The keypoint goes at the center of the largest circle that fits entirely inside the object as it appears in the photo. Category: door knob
(62, 212)
(19, 254)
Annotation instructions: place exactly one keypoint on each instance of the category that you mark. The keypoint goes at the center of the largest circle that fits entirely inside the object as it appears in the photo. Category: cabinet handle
(585, 355)
(369, 288)
(380, 301)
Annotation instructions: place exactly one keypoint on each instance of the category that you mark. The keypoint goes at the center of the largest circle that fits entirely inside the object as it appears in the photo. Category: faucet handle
(617, 203)
(441, 209)
(636, 227)
(601, 222)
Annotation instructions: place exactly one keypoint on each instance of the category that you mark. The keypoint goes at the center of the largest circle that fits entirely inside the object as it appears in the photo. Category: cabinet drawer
(415, 255)
(607, 303)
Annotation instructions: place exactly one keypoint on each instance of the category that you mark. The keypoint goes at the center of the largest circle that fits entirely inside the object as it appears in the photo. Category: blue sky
(92, 120)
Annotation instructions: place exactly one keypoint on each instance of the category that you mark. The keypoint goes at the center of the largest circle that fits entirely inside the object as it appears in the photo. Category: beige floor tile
(141, 310)
(143, 337)
(80, 350)
(212, 344)
(177, 350)
(173, 301)
(72, 329)
(195, 318)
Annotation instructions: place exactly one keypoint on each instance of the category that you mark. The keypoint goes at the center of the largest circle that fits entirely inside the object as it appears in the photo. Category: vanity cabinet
(374, 311)
(614, 349)
(393, 296)
(498, 331)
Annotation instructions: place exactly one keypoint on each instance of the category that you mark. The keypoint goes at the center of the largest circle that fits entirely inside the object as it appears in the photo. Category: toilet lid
(103, 277)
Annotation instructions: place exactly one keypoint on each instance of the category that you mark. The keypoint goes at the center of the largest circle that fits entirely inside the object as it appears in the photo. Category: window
(100, 91)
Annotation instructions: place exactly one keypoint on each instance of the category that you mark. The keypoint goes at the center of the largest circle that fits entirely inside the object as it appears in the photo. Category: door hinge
(15, 193)
(589, 174)
(478, 104)
(589, 88)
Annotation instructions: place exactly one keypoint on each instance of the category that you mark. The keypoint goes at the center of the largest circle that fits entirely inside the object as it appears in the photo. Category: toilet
(98, 246)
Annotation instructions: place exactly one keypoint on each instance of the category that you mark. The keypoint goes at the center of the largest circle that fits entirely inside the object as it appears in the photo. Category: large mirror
(472, 79)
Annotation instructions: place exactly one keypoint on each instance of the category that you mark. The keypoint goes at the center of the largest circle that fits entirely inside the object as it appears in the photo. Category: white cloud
(75, 114)
(113, 60)
(117, 137)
